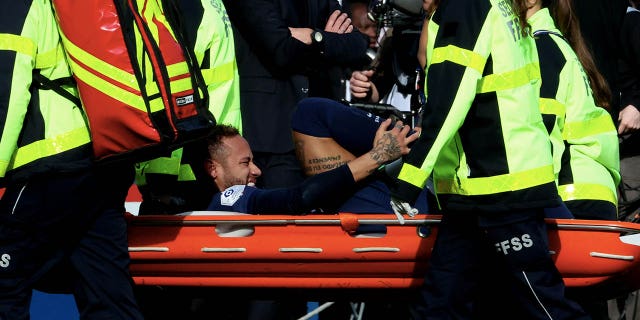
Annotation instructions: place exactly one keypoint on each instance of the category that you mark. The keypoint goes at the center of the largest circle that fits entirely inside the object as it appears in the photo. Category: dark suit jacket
(600, 24)
(629, 64)
(275, 68)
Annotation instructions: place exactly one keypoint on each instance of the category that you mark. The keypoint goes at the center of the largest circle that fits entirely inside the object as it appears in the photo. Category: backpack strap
(44, 83)
(49, 59)
(540, 32)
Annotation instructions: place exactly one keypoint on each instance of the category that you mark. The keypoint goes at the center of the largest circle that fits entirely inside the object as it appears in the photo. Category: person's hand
(391, 144)
(629, 119)
(339, 22)
(391, 141)
(418, 130)
(302, 34)
(360, 85)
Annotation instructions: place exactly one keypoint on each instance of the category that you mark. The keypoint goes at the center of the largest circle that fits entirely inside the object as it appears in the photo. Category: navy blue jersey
(370, 198)
(234, 199)
(249, 199)
(326, 190)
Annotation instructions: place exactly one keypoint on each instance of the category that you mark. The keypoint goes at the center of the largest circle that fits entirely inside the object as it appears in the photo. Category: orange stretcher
(220, 249)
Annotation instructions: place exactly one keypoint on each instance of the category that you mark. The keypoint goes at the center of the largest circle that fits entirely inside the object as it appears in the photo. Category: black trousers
(67, 233)
(477, 255)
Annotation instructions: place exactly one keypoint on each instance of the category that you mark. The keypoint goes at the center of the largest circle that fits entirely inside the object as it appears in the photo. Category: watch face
(317, 36)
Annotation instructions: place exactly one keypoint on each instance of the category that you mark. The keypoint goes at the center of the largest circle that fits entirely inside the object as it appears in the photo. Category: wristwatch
(316, 37)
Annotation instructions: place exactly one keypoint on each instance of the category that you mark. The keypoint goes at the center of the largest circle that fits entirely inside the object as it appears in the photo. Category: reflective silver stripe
(13, 210)
(536, 296)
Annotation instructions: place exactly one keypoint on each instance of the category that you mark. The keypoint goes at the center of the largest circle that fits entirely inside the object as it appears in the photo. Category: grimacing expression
(236, 167)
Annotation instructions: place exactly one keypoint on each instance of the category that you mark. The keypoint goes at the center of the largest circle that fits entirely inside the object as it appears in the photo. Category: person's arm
(261, 23)
(343, 46)
(17, 58)
(422, 46)
(387, 146)
(341, 43)
(328, 188)
(428, 7)
(629, 116)
(588, 130)
(454, 84)
(339, 22)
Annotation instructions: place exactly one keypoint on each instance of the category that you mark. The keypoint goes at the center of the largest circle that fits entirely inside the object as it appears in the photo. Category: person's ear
(211, 167)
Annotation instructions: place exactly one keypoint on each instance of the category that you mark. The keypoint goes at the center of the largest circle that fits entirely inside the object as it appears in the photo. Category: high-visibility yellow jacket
(209, 30)
(41, 131)
(584, 138)
(483, 137)
(215, 50)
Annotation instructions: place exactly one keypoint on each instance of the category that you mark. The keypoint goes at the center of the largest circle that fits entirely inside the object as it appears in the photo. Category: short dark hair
(214, 140)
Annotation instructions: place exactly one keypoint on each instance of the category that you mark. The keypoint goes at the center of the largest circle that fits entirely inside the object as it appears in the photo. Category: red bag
(138, 80)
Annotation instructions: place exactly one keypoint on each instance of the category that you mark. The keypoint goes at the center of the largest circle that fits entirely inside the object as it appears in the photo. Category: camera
(399, 23)
(395, 10)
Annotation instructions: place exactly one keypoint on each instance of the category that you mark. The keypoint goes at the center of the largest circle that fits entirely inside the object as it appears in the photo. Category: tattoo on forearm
(386, 149)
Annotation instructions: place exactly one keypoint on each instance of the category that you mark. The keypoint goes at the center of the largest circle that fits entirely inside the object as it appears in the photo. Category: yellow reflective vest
(42, 131)
(215, 51)
(483, 138)
(213, 45)
(584, 138)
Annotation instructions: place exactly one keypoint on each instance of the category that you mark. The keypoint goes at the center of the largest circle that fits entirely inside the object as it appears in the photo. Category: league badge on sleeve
(231, 195)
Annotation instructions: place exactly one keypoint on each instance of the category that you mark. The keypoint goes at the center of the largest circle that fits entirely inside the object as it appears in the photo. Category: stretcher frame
(220, 249)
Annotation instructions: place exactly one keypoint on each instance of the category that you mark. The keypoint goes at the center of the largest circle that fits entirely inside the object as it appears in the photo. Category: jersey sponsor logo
(4, 260)
(230, 196)
(514, 244)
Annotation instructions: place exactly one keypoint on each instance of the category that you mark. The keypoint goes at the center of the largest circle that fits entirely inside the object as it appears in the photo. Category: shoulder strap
(540, 32)
(44, 83)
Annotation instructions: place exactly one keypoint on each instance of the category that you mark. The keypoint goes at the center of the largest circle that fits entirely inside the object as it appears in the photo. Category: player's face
(238, 167)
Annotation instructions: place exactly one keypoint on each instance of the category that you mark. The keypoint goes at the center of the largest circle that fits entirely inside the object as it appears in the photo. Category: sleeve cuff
(406, 192)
